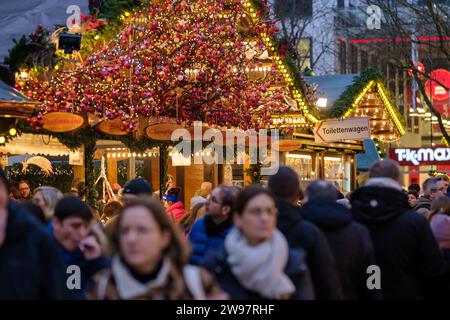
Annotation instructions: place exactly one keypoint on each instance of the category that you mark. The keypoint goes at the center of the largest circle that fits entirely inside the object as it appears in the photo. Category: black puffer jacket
(301, 233)
(412, 267)
(216, 262)
(350, 243)
(30, 265)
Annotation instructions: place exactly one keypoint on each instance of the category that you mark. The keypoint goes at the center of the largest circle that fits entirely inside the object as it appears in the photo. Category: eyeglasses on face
(271, 211)
(215, 200)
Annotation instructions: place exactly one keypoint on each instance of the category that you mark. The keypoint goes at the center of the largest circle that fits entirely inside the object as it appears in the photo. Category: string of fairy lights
(208, 77)
(102, 86)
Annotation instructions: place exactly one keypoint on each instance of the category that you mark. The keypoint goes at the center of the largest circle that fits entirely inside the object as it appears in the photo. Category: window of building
(294, 8)
(304, 50)
(354, 59)
(374, 61)
(364, 60)
(342, 57)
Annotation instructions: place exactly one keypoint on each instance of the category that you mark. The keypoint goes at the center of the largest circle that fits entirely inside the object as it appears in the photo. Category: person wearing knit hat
(173, 204)
(135, 188)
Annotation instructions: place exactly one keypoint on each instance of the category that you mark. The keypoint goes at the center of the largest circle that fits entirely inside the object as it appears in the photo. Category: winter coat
(31, 266)
(406, 252)
(440, 225)
(296, 269)
(202, 242)
(88, 268)
(118, 283)
(423, 205)
(176, 211)
(303, 234)
(350, 244)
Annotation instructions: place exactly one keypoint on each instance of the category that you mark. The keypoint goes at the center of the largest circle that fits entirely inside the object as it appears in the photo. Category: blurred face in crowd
(170, 183)
(445, 183)
(412, 200)
(3, 196)
(258, 220)
(438, 191)
(24, 190)
(214, 207)
(128, 197)
(141, 240)
(39, 200)
(70, 232)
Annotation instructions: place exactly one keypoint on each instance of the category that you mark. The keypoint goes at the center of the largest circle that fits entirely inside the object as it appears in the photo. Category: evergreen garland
(347, 98)
(254, 172)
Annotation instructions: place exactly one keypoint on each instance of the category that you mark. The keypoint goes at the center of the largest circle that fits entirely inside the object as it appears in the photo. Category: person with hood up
(411, 264)
(349, 241)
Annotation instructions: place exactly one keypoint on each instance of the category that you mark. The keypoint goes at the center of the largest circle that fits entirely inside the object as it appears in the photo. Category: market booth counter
(334, 162)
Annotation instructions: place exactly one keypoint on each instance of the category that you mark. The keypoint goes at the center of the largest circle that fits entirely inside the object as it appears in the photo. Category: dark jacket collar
(375, 205)
(221, 229)
(288, 215)
(326, 214)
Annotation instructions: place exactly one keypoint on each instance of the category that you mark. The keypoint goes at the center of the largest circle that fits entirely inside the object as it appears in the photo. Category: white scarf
(128, 287)
(260, 268)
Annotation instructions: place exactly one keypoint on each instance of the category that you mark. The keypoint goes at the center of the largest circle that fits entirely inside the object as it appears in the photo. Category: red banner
(436, 90)
(420, 156)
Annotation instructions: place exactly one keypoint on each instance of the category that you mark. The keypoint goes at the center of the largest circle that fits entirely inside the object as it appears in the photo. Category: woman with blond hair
(150, 260)
(47, 197)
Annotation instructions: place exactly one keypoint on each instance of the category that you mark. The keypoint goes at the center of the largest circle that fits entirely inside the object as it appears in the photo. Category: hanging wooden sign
(112, 127)
(287, 145)
(62, 121)
(162, 130)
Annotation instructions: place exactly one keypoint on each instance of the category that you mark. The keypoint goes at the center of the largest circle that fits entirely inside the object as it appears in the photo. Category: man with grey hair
(349, 241)
(411, 264)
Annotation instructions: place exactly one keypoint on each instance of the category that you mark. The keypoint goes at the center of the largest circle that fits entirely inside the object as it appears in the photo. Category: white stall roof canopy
(33, 144)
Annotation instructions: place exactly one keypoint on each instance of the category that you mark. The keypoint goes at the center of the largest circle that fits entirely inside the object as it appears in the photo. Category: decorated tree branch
(185, 60)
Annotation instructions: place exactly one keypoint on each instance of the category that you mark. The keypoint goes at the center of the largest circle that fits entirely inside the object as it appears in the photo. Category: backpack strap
(193, 279)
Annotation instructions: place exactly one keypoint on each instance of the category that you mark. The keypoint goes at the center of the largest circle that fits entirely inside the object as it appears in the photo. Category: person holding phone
(78, 244)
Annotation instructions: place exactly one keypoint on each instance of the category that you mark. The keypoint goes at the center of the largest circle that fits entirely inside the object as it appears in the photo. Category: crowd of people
(272, 242)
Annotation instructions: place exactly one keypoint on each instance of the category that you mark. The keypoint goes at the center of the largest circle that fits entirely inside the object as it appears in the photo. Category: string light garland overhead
(180, 59)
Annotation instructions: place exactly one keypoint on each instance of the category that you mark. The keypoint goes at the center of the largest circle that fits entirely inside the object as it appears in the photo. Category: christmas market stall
(341, 97)
(26, 156)
(169, 65)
